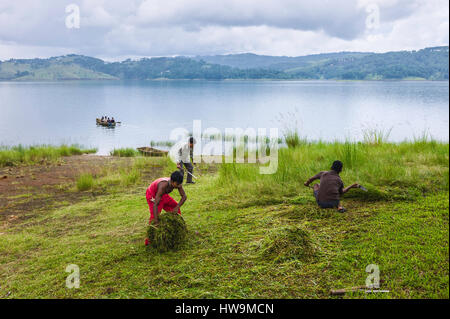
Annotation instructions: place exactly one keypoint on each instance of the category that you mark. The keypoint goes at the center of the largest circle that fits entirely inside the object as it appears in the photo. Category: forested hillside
(425, 64)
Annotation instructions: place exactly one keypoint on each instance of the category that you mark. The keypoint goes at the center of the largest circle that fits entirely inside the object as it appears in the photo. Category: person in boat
(112, 120)
(184, 157)
(330, 188)
(158, 197)
(102, 119)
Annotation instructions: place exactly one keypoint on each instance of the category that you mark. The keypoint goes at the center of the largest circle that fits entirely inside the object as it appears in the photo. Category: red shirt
(153, 188)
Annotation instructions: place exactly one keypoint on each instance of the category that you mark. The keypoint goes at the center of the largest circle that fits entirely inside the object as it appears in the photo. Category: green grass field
(250, 235)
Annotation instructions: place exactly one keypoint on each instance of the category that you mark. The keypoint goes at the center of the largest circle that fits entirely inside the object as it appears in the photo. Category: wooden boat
(99, 122)
(150, 151)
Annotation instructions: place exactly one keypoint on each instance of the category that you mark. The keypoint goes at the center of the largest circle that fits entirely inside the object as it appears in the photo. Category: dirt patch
(26, 190)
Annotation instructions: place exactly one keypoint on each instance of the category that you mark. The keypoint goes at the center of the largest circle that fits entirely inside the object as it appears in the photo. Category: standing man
(331, 187)
(185, 156)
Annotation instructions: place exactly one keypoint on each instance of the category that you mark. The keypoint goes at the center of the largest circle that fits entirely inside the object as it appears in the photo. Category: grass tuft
(85, 182)
(375, 136)
(287, 243)
(124, 152)
(293, 139)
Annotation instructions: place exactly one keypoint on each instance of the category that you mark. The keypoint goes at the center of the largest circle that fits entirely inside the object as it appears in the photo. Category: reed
(15, 155)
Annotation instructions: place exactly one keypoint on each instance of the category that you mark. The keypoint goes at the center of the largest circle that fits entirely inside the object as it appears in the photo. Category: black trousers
(190, 169)
(328, 204)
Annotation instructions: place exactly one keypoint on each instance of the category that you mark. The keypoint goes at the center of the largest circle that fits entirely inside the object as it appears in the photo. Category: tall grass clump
(85, 182)
(15, 155)
(375, 136)
(423, 137)
(130, 177)
(290, 129)
(293, 139)
(350, 153)
(124, 152)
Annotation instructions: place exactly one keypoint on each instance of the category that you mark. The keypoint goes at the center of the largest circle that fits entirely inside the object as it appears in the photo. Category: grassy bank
(113, 179)
(10, 156)
(251, 235)
(390, 171)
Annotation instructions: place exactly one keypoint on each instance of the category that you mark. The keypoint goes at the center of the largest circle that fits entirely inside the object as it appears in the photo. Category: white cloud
(115, 28)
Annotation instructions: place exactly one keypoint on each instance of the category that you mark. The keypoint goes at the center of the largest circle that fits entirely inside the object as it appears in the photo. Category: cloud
(341, 19)
(113, 29)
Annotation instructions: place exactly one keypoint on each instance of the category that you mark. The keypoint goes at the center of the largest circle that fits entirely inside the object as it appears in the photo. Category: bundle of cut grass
(287, 243)
(169, 234)
(373, 194)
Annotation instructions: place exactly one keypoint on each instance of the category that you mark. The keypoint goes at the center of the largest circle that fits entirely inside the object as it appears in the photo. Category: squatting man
(331, 187)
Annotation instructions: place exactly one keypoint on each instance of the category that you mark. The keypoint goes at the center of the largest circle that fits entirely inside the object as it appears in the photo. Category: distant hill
(250, 60)
(70, 67)
(426, 64)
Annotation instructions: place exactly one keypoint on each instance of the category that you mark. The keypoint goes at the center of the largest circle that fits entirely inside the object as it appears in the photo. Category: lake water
(65, 112)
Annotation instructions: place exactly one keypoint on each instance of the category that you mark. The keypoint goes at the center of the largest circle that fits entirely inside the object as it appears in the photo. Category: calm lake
(65, 112)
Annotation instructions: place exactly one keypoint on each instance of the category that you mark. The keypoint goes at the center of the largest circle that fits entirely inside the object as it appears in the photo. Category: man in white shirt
(184, 156)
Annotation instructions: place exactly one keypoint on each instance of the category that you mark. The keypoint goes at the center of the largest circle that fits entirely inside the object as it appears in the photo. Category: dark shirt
(331, 186)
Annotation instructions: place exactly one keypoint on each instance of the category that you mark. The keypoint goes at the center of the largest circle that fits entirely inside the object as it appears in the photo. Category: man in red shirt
(331, 187)
(158, 197)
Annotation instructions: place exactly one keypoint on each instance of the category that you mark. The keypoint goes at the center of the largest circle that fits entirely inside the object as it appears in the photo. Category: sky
(118, 29)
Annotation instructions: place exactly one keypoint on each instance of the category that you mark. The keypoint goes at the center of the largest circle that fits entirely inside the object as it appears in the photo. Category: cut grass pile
(169, 234)
(287, 243)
